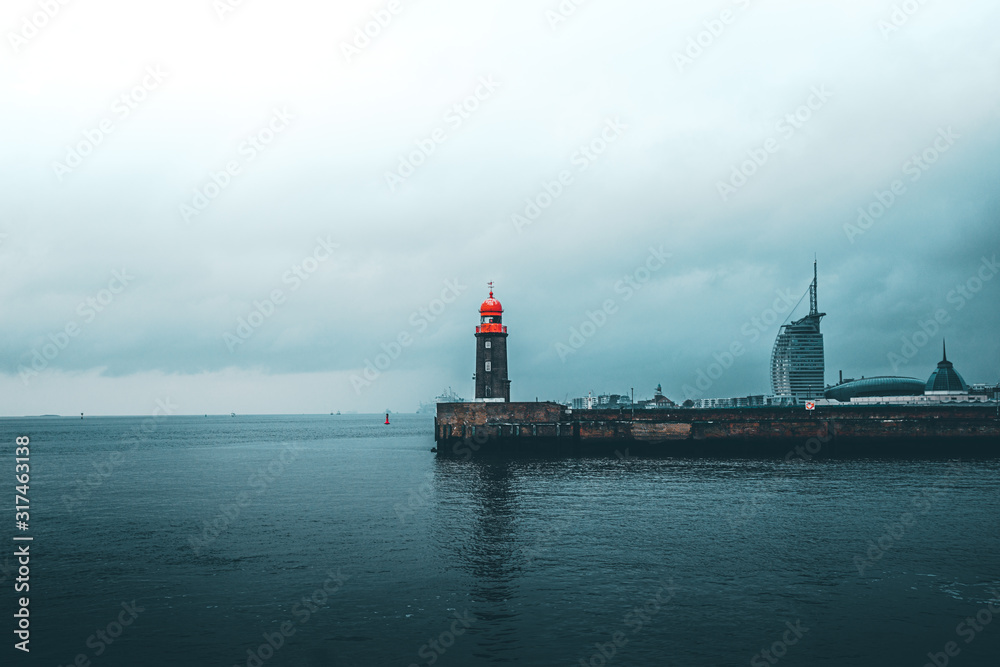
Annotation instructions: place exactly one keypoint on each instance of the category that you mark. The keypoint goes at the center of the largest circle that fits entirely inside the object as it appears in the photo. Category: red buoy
(387, 418)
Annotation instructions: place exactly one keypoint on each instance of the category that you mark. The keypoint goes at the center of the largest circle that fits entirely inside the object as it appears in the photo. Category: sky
(295, 207)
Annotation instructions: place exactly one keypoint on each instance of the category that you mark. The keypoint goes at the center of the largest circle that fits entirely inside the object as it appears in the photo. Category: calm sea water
(410, 559)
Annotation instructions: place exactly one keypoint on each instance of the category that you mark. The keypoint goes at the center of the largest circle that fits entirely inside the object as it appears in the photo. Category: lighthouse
(491, 353)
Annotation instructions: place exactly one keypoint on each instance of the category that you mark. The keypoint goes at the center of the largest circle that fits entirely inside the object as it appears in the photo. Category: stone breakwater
(465, 429)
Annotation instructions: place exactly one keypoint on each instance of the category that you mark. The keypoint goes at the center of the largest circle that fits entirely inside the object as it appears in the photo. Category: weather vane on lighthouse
(490, 284)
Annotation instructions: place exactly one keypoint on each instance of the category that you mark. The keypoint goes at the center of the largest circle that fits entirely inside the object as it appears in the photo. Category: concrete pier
(461, 429)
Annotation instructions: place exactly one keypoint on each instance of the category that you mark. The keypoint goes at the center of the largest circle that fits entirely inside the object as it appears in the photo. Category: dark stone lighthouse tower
(491, 353)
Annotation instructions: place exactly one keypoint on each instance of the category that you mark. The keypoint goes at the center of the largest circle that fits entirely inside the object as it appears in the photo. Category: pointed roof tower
(946, 379)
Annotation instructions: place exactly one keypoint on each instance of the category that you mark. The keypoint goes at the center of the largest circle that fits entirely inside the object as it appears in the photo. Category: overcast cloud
(313, 128)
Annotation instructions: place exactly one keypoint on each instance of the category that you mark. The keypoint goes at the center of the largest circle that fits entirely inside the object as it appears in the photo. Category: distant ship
(448, 396)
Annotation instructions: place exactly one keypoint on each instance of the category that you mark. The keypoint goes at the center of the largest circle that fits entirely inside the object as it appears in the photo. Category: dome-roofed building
(875, 386)
(945, 386)
(945, 379)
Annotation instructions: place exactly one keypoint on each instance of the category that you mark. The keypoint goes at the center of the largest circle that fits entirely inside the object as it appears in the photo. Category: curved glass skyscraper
(797, 366)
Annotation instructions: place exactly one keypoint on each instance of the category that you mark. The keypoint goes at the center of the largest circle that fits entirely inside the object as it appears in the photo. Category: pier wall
(552, 428)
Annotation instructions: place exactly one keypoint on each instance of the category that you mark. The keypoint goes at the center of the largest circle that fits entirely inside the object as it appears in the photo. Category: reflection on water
(488, 505)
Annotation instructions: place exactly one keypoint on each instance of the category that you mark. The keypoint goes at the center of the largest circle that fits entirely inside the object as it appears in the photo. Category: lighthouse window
(489, 344)
(488, 365)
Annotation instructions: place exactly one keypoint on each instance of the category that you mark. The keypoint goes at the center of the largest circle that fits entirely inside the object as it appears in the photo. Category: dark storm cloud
(741, 164)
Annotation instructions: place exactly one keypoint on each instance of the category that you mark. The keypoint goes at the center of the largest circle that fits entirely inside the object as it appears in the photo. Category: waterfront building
(753, 401)
(923, 399)
(797, 364)
(945, 385)
(990, 391)
(658, 402)
(491, 353)
(945, 380)
(882, 385)
(622, 402)
(602, 402)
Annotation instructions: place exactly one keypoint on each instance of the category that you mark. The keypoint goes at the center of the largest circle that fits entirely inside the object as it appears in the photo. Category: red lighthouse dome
(490, 307)
(491, 315)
